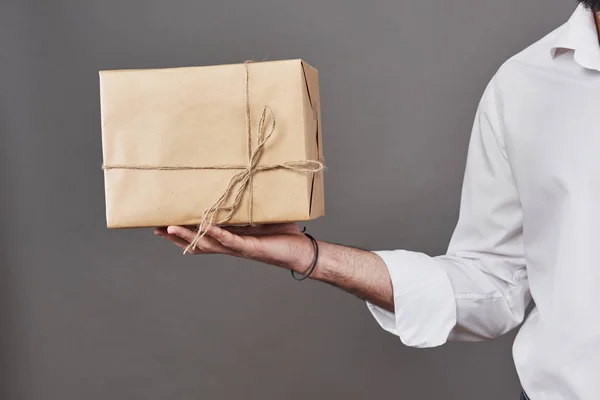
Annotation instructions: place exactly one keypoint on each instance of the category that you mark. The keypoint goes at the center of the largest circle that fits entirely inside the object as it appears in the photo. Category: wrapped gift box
(175, 142)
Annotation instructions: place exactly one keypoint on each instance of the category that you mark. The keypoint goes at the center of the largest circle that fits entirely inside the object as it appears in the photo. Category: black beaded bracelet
(299, 277)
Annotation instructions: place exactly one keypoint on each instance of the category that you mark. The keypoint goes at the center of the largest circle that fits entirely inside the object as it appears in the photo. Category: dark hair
(593, 5)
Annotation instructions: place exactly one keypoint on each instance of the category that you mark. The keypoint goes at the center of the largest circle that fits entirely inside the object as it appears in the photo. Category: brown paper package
(196, 116)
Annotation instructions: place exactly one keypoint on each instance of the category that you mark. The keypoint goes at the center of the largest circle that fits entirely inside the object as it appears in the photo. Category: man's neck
(597, 18)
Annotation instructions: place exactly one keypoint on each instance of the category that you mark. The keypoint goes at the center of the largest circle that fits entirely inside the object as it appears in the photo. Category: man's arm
(477, 290)
(362, 273)
(359, 272)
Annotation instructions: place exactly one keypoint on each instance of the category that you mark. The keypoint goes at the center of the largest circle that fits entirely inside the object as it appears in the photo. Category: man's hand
(282, 245)
(359, 272)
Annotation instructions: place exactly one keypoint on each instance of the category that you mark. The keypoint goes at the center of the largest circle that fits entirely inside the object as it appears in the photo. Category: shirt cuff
(424, 303)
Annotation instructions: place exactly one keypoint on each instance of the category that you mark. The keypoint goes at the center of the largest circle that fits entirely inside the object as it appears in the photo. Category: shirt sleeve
(479, 289)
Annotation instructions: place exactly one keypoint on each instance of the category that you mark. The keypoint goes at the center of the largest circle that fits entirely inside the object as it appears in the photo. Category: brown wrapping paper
(196, 116)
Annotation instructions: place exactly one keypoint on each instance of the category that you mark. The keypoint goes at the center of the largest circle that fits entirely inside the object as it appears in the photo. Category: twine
(241, 180)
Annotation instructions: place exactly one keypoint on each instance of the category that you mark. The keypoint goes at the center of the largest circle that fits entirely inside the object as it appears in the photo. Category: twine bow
(242, 180)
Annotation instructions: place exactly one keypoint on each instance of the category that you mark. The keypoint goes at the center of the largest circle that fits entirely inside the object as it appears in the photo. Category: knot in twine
(242, 180)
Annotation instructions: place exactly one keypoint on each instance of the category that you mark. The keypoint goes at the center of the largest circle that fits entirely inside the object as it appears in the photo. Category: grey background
(88, 313)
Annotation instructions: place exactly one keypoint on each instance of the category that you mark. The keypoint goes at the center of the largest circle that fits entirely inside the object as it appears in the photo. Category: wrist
(328, 262)
(294, 252)
(302, 254)
(313, 258)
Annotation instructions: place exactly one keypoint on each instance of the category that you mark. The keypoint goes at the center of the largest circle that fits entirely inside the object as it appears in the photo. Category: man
(528, 227)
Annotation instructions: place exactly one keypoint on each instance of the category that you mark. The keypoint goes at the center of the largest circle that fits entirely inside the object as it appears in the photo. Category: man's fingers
(228, 239)
(160, 231)
(179, 242)
(257, 230)
(206, 244)
(182, 232)
(263, 230)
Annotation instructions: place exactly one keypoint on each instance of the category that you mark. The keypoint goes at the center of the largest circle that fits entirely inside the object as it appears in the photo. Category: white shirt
(529, 224)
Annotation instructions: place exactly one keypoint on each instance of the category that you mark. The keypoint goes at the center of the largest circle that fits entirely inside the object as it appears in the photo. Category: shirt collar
(580, 36)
